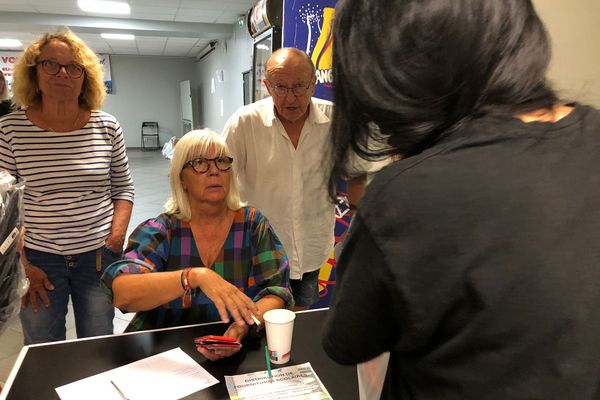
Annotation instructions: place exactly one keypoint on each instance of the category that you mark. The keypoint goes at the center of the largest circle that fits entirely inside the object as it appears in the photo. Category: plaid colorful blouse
(252, 259)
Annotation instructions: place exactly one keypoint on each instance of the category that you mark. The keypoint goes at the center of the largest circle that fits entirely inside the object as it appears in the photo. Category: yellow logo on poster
(322, 55)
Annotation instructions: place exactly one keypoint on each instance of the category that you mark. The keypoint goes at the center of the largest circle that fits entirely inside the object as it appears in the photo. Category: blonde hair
(4, 94)
(194, 144)
(25, 86)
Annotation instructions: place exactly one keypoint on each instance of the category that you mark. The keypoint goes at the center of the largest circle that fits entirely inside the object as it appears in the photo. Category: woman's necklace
(73, 125)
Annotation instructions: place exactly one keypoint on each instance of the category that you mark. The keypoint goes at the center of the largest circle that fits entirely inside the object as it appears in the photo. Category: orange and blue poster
(307, 25)
(327, 273)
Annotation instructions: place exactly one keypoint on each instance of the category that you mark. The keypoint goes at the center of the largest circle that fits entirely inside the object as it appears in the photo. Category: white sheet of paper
(170, 375)
(293, 382)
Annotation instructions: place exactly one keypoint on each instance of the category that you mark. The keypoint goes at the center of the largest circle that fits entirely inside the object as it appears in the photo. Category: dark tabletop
(49, 366)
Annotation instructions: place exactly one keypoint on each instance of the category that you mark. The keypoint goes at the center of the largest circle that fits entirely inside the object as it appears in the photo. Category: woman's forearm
(142, 292)
(120, 221)
(268, 302)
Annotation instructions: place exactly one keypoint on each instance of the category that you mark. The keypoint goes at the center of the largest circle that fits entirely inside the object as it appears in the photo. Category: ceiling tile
(125, 52)
(227, 19)
(202, 4)
(152, 52)
(150, 3)
(171, 11)
(150, 40)
(174, 41)
(56, 9)
(214, 13)
(17, 8)
(175, 53)
(155, 17)
(138, 10)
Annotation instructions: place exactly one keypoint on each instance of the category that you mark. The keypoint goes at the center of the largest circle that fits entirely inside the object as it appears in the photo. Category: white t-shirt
(289, 185)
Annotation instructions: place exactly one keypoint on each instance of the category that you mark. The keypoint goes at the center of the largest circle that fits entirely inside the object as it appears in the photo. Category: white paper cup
(279, 324)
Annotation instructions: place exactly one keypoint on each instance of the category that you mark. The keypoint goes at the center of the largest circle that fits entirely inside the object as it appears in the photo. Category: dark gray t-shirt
(477, 265)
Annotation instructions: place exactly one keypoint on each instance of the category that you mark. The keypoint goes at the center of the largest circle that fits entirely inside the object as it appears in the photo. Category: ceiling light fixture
(118, 36)
(104, 7)
(11, 43)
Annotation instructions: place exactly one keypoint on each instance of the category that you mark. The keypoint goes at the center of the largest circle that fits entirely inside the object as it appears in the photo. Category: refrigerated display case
(264, 44)
(264, 25)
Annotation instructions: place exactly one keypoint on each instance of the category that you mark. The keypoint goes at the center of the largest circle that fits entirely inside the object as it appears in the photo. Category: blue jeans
(306, 290)
(77, 276)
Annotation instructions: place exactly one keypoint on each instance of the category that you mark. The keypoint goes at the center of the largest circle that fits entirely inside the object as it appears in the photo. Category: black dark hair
(407, 73)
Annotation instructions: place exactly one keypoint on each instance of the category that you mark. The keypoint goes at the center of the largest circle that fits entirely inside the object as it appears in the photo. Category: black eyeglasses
(298, 90)
(52, 68)
(201, 164)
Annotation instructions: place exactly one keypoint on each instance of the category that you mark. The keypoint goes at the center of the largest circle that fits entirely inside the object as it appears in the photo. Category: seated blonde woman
(208, 258)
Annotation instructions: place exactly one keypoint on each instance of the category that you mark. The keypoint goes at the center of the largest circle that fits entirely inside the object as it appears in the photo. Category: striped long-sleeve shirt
(72, 179)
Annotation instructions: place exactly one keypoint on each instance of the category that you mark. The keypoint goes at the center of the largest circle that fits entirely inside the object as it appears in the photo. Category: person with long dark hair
(473, 259)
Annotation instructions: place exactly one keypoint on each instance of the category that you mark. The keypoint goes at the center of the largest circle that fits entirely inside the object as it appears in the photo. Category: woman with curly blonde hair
(79, 192)
(25, 89)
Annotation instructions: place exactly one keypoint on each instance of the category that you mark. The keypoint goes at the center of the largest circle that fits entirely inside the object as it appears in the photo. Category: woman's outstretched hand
(226, 296)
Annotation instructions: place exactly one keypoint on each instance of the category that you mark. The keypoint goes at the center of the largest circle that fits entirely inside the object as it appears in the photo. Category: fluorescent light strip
(10, 43)
(118, 36)
(104, 7)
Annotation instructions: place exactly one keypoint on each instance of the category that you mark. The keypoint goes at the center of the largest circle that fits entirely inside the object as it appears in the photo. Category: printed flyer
(289, 383)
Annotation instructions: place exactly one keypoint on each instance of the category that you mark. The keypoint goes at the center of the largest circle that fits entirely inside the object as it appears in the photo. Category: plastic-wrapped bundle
(169, 148)
(13, 283)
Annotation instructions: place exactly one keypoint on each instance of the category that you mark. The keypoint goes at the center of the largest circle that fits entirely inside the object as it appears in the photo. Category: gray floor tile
(12, 341)
(6, 365)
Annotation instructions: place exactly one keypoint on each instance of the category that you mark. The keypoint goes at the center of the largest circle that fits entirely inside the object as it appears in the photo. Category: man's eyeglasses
(298, 90)
(201, 164)
(52, 68)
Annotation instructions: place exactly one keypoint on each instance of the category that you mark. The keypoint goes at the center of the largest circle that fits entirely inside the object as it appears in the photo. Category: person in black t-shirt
(5, 103)
(474, 259)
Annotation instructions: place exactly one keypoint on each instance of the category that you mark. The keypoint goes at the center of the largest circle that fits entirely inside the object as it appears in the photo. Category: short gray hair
(192, 145)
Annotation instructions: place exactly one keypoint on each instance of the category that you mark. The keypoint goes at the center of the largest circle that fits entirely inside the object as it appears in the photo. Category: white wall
(233, 56)
(575, 32)
(147, 89)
